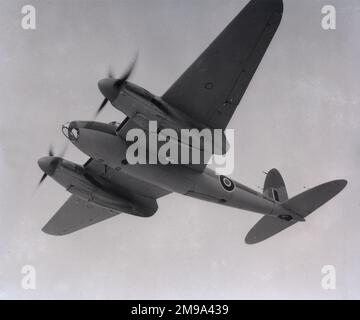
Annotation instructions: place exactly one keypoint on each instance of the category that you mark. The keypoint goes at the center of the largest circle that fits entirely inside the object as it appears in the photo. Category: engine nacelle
(94, 189)
(142, 107)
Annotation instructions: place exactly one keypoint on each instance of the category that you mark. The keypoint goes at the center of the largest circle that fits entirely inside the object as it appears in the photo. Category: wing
(123, 181)
(75, 214)
(212, 87)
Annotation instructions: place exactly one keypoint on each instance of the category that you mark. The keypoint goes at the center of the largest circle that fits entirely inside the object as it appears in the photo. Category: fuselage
(101, 142)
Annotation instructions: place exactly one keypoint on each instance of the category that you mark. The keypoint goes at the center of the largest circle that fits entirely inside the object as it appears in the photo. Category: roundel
(227, 184)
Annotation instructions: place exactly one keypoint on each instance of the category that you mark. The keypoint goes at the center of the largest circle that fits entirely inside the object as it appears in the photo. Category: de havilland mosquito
(205, 96)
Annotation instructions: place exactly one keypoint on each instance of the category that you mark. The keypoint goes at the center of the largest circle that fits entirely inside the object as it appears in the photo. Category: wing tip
(341, 183)
(251, 240)
(54, 231)
(272, 5)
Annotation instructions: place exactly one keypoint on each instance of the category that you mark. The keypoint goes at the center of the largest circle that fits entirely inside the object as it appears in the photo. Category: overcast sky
(300, 114)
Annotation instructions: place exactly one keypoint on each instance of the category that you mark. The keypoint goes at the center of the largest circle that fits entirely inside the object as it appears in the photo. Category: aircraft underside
(202, 101)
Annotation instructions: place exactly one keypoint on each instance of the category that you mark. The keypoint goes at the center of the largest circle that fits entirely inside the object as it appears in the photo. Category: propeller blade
(119, 82)
(103, 104)
(63, 151)
(51, 152)
(110, 73)
(42, 179)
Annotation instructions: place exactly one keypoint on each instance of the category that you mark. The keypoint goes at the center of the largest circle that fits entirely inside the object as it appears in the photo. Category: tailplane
(310, 200)
(301, 205)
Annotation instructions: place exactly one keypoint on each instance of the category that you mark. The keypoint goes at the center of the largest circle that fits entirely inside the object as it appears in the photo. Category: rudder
(274, 186)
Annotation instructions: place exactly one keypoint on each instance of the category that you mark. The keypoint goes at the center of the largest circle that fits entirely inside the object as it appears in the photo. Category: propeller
(103, 104)
(118, 83)
(51, 154)
(110, 73)
(42, 179)
(106, 100)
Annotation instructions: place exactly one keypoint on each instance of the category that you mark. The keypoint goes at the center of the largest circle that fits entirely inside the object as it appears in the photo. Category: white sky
(300, 115)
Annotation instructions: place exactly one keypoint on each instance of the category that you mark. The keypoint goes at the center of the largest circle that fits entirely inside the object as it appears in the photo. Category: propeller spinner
(110, 87)
(49, 164)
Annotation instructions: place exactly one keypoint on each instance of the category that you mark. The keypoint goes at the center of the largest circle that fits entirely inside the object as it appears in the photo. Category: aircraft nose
(49, 164)
(108, 89)
(71, 130)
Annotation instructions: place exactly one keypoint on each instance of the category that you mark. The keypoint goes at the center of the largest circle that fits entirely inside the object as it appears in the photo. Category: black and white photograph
(179, 150)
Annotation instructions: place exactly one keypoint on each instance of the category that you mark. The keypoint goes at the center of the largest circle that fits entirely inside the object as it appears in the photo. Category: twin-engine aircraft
(205, 96)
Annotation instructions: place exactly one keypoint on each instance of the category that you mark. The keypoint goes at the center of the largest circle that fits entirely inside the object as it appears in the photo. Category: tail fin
(274, 186)
(301, 205)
